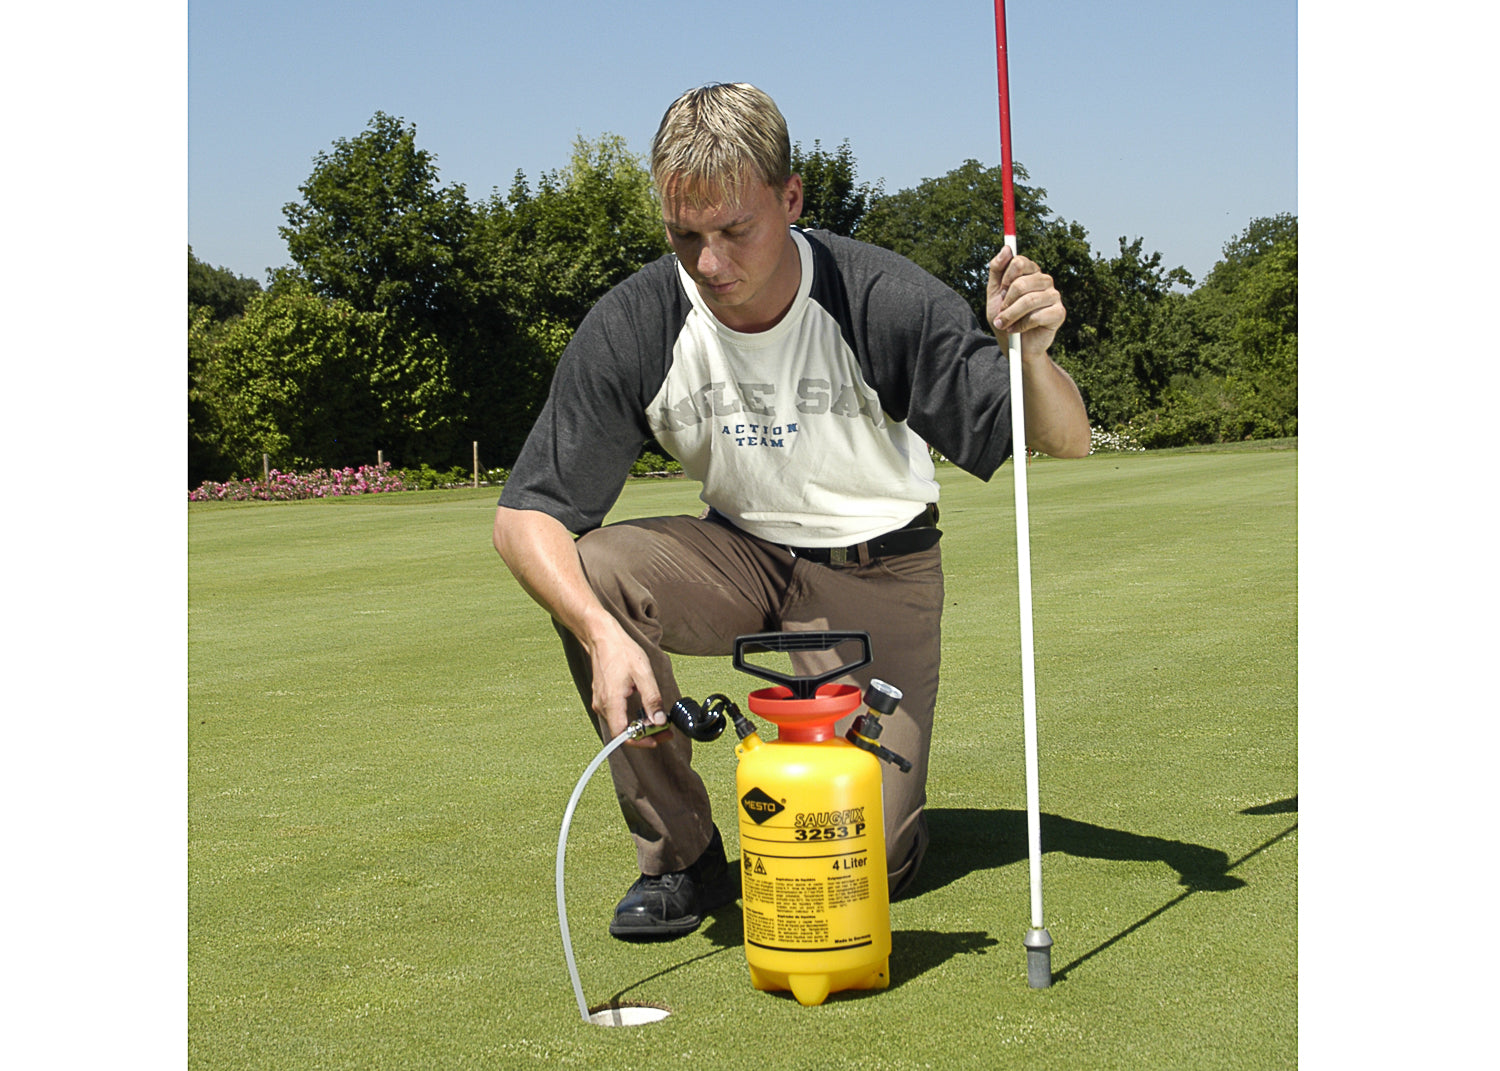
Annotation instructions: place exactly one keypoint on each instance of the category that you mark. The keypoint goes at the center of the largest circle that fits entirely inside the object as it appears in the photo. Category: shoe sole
(725, 893)
(655, 931)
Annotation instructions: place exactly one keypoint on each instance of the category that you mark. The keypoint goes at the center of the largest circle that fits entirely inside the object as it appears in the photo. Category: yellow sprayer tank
(812, 843)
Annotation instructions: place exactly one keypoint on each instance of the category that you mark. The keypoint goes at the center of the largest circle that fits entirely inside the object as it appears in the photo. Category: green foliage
(205, 459)
(1122, 355)
(314, 381)
(492, 292)
(954, 225)
(1134, 341)
(426, 478)
(584, 229)
(1212, 409)
(831, 200)
(652, 464)
(1265, 331)
(1112, 342)
(1246, 309)
(1236, 373)
(544, 257)
(219, 290)
(1263, 235)
(375, 230)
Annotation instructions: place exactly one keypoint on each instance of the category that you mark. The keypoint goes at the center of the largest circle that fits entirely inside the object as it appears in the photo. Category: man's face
(740, 255)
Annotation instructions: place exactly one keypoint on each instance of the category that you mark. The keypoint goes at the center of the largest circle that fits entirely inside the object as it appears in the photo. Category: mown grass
(383, 738)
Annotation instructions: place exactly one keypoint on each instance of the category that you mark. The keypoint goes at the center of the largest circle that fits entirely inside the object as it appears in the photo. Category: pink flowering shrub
(286, 486)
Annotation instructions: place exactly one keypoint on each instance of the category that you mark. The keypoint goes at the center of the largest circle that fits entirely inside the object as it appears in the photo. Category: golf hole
(627, 1015)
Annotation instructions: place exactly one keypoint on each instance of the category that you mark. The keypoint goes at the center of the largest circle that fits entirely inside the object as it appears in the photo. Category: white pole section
(1028, 650)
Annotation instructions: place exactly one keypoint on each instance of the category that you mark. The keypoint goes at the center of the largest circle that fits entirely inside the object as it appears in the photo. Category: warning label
(759, 927)
(850, 890)
(802, 931)
(799, 896)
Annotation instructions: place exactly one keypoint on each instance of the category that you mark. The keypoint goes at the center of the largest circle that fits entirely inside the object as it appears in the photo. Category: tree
(219, 290)
(1256, 281)
(413, 320)
(587, 227)
(313, 381)
(830, 198)
(1262, 236)
(205, 459)
(215, 295)
(544, 257)
(1133, 345)
(1240, 376)
(1265, 331)
(375, 230)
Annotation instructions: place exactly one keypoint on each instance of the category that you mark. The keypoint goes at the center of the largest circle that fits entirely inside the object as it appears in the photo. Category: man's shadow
(966, 839)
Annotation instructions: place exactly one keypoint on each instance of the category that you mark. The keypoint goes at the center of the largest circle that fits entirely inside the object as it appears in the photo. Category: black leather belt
(920, 533)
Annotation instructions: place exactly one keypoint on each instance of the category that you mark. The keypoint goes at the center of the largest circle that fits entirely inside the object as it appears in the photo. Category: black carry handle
(801, 687)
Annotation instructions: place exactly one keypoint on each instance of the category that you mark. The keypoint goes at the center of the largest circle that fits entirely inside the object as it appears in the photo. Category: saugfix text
(850, 816)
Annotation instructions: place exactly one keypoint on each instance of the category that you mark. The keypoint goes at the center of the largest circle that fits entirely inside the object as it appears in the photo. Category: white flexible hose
(562, 843)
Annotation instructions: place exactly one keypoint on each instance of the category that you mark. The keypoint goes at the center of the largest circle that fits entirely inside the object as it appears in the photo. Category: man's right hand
(622, 679)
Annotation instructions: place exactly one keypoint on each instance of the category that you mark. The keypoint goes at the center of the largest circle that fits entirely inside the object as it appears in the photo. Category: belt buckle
(838, 555)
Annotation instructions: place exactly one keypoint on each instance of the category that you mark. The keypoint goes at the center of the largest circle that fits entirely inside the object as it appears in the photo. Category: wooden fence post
(476, 463)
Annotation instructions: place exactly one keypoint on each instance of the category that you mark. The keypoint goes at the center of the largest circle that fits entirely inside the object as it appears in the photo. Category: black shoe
(670, 905)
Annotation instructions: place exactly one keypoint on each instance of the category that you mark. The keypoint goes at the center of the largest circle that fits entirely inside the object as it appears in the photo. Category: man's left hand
(1021, 298)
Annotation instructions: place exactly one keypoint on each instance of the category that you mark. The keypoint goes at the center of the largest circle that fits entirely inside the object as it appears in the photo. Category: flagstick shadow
(1062, 974)
(618, 999)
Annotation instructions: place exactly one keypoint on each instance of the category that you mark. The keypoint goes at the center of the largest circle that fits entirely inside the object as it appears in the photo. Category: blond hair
(717, 137)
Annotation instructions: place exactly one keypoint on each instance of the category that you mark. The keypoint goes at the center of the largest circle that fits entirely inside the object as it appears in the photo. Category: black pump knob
(700, 724)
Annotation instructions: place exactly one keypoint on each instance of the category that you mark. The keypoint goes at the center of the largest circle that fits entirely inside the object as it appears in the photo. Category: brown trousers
(689, 586)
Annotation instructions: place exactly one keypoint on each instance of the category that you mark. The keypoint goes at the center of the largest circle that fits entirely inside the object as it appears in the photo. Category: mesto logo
(760, 806)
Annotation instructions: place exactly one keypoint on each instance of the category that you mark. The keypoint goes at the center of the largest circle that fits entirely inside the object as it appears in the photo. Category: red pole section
(1002, 68)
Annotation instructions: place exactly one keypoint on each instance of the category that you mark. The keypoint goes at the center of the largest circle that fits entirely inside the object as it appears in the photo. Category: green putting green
(383, 738)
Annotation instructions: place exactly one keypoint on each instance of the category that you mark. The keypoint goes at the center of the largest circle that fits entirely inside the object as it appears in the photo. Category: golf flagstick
(1038, 941)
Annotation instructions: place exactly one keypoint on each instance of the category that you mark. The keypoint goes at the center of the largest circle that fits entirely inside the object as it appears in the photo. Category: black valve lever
(879, 751)
(880, 698)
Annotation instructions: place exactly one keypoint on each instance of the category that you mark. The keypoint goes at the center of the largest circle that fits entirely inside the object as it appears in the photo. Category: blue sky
(1169, 120)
